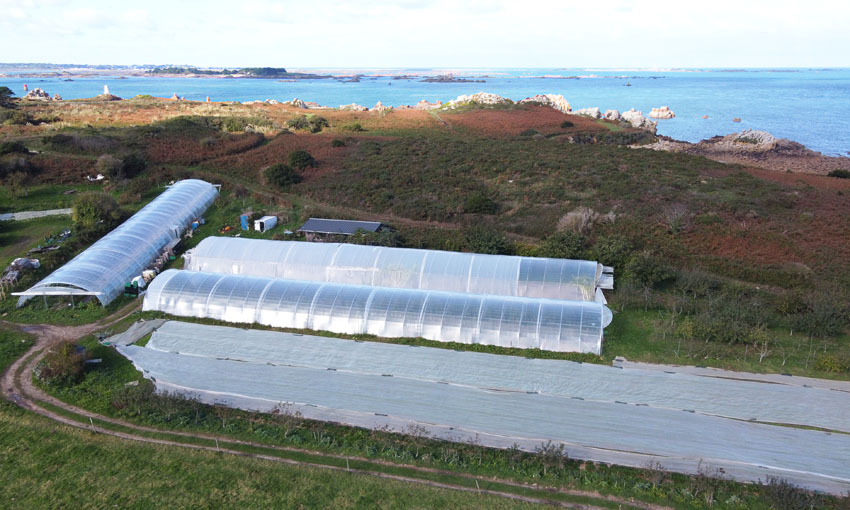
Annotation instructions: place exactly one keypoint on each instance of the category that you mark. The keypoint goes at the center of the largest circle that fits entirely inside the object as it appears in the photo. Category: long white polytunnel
(407, 268)
(531, 323)
(104, 268)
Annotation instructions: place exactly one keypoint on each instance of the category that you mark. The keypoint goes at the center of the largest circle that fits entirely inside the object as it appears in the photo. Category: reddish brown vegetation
(512, 122)
(182, 150)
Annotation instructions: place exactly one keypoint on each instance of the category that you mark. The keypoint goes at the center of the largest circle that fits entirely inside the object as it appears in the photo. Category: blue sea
(810, 106)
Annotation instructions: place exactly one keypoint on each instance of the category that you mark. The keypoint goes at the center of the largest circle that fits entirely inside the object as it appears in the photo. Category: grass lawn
(16, 237)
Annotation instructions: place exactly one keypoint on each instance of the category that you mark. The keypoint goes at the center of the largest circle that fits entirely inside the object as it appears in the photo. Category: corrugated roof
(330, 226)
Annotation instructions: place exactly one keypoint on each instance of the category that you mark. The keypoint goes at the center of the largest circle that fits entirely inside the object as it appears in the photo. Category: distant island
(245, 72)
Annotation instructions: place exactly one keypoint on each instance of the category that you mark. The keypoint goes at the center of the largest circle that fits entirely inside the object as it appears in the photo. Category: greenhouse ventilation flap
(104, 268)
(530, 323)
(380, 266)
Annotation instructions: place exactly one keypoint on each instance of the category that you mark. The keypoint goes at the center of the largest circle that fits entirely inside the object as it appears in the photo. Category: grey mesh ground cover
(600, 431)
(103, 268)
(380, 266)
(774, 403)
(548, 324)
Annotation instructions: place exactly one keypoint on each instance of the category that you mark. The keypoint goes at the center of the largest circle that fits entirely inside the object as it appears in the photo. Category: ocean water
(810, 106)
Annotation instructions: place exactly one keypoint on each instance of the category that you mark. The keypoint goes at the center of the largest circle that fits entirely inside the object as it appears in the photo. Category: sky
(429, 33)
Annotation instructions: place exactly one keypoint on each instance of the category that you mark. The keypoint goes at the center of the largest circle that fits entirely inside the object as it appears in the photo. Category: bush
(484, 240)
(647, 270)
(386, 237)
(354, 126)
(282, 176)
(480, 203)
(133, 166)
(567, 124)
(301, 159)
(12, 148)
(63, 365)
(823, 315)
(563, 245)
(338, 143)
(614, 251)
(92, 209)
(841, 174)
(108, 165)
(312, 123)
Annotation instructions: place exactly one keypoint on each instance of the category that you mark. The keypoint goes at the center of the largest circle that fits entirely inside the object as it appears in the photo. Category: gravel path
(29, 215)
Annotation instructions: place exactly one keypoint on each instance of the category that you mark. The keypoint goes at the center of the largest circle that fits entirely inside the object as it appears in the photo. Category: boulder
(662, 113)
(479, 98)
(175, 97)
(57, 97)
(353, 107)
(637, 120)
(593, 113)
(379, 107)
(555, 101)
(425, 105)
(296, 103)
(272, 101)
(37, 94)
(612, 115)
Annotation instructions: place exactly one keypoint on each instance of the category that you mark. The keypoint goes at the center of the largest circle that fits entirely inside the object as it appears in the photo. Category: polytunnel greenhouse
(554, 325)
(104, 268)
(475, 273)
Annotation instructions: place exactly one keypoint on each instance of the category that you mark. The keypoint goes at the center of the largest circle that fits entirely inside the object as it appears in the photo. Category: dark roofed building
(320, 227)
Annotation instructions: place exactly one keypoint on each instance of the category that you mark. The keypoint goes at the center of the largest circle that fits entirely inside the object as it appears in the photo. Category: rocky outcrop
(612, 115)
(425, 105)
(593, 113)
(57, 97)
(555, 101)
(662, 113)
(175, 97)
(37, 94)
(353, 107)
(759, 149)
(478, 98)
(379, 107)
(272, 101)
(296, 103)
(636, 119)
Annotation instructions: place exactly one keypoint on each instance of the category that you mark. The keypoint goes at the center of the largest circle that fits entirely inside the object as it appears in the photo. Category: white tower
(106, 90)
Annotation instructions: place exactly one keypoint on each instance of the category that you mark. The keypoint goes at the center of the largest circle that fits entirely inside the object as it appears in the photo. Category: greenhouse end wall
(104, 267)
(529, 323)
(399, 267)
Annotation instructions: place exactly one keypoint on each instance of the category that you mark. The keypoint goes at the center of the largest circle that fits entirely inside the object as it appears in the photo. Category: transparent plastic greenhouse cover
(554, 325)
(124, 253)
(399, 267)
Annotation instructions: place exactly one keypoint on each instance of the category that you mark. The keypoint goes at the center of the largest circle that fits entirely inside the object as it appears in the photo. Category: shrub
(567, 124)
(841, 174)
(12, 148)
(91, 209)
(299, 122)
(480, 203)
(108, 165)
(823, 315)
(301, 159)
(312, 123)
(485, 240)
(647, 270)
(63, 365)
(354, 126)
(563, 245)
(582, 219)
(133, 165)
(613, 250)
(386, 237)
(338, 143)
(282, 176)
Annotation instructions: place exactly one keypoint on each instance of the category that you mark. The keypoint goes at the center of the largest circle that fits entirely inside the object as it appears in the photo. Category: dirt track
(16, 385)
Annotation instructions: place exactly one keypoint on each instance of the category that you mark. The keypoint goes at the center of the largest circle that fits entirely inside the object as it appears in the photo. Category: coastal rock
(638, 121)
(296, 103)
(175, 97)
(761, 140)
(37, 94)
(57, 97)
(593, 113)
(353, 107)
(425, 105)
(272, 101)
(479, 98)
(612, 115)
(662, 113)
(379, 107)
(555, 101)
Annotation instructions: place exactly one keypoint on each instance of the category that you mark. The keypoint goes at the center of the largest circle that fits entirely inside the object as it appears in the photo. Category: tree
(301, 159)
(133, 165)
(6, 97)
(647, 270)
(282, 176)
(91, 209)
